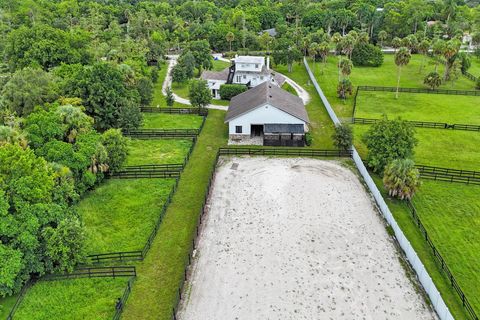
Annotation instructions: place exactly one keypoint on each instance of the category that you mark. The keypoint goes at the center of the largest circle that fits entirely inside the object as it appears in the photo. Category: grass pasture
(72, 299)
(419, 107)
(385, 75)
(120, 214)
(157, 151)
(171, 121)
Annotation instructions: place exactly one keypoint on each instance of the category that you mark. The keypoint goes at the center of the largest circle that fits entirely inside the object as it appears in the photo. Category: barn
(269, 114)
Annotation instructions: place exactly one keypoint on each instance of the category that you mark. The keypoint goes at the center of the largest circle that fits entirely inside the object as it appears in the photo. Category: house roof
(266, 93)
(215, 75)
(249, 59)
(272, 32)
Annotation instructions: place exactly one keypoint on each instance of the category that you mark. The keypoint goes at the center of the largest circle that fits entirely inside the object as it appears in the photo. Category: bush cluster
(228, 91)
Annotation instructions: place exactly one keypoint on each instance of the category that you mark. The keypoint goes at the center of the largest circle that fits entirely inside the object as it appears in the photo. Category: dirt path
(295, 239)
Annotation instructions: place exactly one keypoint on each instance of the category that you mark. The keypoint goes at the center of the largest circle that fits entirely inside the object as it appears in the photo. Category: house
(272, 32)
(247, 70)
(270, 113)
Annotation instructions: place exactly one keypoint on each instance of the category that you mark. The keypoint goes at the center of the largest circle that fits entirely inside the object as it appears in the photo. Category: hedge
(228, 91)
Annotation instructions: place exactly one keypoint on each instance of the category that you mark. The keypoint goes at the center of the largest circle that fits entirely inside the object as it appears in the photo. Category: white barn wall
(262, 115)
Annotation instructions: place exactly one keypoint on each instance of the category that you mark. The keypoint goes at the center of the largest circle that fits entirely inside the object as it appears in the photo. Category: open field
(454, 226)
(419, 107)
(157, 151)
(155, 289)
(171, 121)
(294, 254)
(72, 299)
(120, 214)
(385, 75)
(437, 147)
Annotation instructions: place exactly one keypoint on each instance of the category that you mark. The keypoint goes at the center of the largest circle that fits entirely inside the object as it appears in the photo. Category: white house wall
(262, 115)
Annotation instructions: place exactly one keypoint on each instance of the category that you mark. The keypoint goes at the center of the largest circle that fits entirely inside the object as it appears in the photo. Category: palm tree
(363, 38)
(230, 37)
(348, 43)
(423, 48)
(12, 136)
(382, 36)
(451, 49)
(313, 51)
(401, 179)
(396, 43)
(323, 50)
(402, 58)
(345, 66)
(438, 49)
(433, 80)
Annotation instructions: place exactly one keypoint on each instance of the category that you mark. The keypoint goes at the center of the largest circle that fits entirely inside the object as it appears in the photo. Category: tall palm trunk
(398, 81)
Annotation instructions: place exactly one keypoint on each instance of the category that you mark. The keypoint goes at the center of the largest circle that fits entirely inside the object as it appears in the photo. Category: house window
(256, 66)
(244, 76)
(238, 129)
(239, 78)
(261, 77)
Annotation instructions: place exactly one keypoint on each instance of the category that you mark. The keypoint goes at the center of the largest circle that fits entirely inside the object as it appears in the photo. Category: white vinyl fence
(423, 276)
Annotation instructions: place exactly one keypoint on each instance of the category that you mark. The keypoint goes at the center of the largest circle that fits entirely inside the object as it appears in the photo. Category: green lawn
(6, 305)
(287, 87)
(419, 107)
(156, 151)
(385, 75)
(73, 299)
(155, 290)
(321, 127)
(219, 65)
(454, 227)
(171, 121)
(438, 147)
(475, 67)
(120, 214)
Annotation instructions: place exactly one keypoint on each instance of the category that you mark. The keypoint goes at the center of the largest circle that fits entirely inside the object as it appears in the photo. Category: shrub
(401, 178)
(389, 140)
(308, 139)
(367, 55)
(343, 136)
(228, 91)
(478, 83)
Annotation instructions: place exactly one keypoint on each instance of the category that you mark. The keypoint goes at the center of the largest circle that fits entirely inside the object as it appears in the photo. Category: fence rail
(162, 133)
(200, 112)
(285, 152)
(421, 90)
(115, 256)
(449, 175)
(94, 272)
(20, 297)
(123, 300)
(441, 262)
(148, 174)
(424, 124)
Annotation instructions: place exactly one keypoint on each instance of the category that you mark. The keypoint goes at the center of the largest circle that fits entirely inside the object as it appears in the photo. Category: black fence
(285, 152)
(123, 300)
(94, 272)
(20, 297)
(424, 124)
(162, 133)
(421, 90)
(199, 111)
(150, 171)
(449, 175)
(136, 254)
(470, 76)
(441, 262)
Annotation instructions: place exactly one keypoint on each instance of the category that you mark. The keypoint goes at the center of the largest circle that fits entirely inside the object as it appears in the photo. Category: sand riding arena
(295, 238)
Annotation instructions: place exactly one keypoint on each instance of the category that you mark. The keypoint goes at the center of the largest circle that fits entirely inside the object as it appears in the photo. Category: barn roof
(266, 93)
(215, 75)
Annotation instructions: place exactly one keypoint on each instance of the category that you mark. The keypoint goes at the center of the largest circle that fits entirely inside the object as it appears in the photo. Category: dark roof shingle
(266, 93)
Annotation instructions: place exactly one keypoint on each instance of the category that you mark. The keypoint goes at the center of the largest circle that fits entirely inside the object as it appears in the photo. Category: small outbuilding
(268, 112)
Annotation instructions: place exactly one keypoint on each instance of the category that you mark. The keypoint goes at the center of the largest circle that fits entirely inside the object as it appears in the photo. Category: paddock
(289, 238)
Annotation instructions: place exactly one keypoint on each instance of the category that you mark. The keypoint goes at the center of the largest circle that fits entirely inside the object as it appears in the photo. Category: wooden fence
(421, 90)
(198, 111)
(424, 124)
(162, 133)
(449, 175)
(123, 300)
(441, 262)
(94, 272)
(285, 152)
